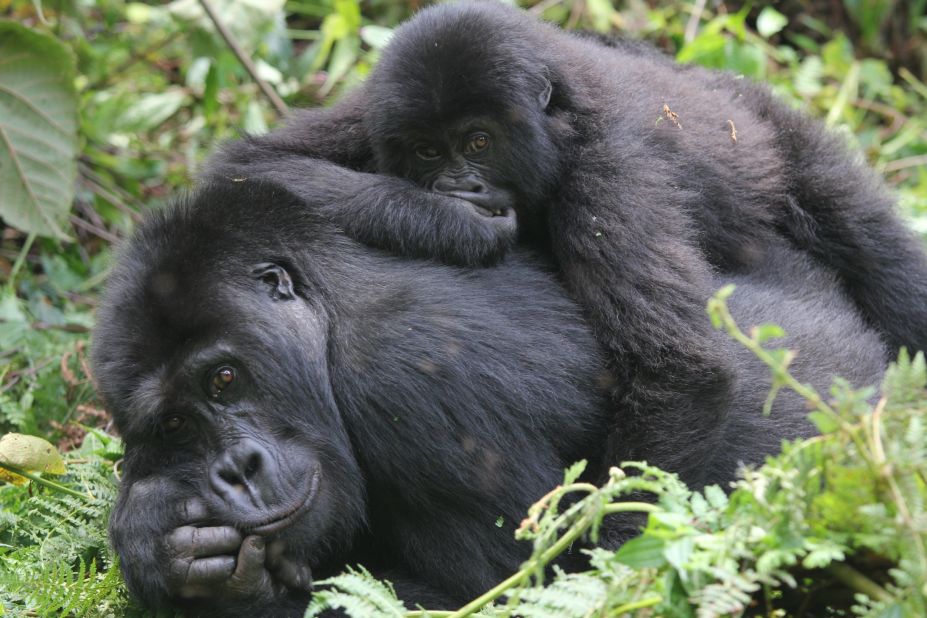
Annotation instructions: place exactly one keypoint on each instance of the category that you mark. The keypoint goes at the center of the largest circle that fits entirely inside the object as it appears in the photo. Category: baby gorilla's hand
(220, 562)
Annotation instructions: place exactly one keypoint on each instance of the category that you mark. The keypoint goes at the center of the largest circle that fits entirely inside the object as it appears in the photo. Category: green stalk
(549, 554)
(35, 478)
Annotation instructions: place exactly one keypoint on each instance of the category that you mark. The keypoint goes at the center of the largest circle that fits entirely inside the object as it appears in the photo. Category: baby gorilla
(641, 177)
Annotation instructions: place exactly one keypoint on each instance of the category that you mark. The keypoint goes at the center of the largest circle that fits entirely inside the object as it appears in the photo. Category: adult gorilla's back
(291, 400)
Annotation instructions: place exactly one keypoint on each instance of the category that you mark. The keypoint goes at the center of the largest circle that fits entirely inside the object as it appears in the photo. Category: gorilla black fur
(293, 401)
(620, 164)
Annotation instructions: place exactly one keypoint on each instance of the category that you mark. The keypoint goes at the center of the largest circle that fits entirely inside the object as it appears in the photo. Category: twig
(103, 192)
(898, 119)
(540, 7)
(85, 165)
(93, 229)
(900, 164)
(243, 58)
(694, 19)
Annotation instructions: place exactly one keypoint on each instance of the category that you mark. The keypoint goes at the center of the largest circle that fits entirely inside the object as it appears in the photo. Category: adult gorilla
(293, 401)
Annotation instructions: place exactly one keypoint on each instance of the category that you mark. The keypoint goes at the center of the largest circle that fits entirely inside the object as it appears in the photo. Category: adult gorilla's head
(467, 105)
(293, 401)
(217, 379)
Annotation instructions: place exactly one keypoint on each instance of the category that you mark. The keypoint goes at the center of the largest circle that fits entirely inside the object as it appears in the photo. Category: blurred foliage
(156, 88)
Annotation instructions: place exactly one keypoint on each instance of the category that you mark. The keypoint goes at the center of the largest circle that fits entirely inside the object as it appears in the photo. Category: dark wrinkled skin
(620, 165)
(293, 402)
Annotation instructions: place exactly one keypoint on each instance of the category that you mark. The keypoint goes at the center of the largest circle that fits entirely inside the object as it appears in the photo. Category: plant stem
(20, 259)
(857, 581)
(35, 478)
(627, 607)
(575, 531)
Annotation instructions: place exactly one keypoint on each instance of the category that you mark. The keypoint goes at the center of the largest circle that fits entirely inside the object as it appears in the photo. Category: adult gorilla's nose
(240, 473)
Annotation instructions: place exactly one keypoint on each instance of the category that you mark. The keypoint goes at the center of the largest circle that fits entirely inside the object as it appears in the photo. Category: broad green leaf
(29, 453)
(38, 130)
(642, 552)
(152, 110)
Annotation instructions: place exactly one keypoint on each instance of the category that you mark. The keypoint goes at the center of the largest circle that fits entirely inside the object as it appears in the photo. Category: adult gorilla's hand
(220, 562)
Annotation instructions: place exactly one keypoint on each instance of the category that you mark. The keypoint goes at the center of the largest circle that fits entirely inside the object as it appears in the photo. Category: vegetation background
(108, 107)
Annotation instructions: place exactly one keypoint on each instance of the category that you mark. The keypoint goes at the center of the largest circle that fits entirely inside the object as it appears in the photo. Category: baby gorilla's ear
(546, 91)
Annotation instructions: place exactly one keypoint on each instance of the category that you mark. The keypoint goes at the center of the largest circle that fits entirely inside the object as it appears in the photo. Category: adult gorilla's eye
(220, 379)
(427, 153)
(478, 142)
(173, 423)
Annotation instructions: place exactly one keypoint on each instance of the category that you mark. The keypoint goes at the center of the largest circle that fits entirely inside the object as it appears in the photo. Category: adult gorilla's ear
(278, 280)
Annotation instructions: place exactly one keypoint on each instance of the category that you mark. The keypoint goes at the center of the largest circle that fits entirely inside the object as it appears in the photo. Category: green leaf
(765, 332)
(678, 552)
(376, 36)
(642, 552)
(152, 110)
(770, 21)
(823, 421)
(574, 472)
(38, 130)
(808, 76)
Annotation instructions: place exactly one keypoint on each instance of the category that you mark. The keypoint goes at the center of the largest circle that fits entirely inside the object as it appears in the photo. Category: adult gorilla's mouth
(287, 516)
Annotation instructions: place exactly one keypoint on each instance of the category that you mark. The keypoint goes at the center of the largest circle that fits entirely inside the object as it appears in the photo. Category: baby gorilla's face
(464, 159)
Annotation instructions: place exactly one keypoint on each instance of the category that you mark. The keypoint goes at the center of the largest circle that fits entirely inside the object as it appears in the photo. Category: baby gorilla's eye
(478, 142)
(173, 423)
(427, 153)
(221, 379)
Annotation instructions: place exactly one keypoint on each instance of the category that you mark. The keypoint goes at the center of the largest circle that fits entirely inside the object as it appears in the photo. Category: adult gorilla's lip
(290, 515)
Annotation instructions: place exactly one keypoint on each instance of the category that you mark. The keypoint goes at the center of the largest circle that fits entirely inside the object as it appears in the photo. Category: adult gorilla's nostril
(253, 465)
(238, 471)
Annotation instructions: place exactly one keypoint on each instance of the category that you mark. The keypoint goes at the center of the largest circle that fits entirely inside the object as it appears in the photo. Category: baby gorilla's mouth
(485, 204)
(490, 211)
(288, 515)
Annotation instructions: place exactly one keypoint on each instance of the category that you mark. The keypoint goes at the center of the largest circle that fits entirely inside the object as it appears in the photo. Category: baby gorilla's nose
(453, 185)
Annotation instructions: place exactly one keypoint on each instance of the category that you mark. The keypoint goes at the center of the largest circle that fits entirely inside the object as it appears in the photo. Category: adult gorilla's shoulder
(292, 402)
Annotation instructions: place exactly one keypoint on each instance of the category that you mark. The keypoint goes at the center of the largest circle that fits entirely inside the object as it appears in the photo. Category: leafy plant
(54, 554)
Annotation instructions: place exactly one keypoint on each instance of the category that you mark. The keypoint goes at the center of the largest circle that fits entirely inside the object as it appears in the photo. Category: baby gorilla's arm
(382, 211)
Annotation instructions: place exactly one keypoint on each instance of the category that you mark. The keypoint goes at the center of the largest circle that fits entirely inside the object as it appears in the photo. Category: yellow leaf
(29, 453)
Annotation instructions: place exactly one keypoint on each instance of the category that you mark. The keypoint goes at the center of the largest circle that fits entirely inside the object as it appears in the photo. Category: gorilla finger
(212, 570)
(189, 541)
(292, 575)
(274, 553)
(250, 559)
